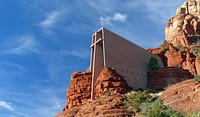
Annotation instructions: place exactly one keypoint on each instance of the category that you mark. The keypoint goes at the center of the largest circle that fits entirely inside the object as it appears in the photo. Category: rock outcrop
(183, 29)
(103, 106)
(184, 96)
(197, 64)
(110, 81)
(79, 94)
(164, 77)
(174, 57)
(79, 89)
(189, 7)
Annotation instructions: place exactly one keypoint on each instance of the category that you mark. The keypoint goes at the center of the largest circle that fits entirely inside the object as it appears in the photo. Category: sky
(42, 42)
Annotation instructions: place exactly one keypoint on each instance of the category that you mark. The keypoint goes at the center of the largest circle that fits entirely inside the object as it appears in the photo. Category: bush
(135, 99)
(164, 43)
(157, 109)
(153, 64)
(196, 51)
(194, 114)
(147, 107)
(196, 78)
(108, 92)
(179, 47)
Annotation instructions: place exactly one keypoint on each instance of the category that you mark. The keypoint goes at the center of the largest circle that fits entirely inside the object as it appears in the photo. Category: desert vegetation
(151, 106)
(153, 64)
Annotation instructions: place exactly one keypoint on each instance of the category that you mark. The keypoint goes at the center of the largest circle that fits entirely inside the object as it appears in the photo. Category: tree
(164, 43)
(153, 64)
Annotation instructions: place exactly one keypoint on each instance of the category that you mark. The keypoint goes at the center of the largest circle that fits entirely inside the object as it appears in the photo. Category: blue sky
(44, 41)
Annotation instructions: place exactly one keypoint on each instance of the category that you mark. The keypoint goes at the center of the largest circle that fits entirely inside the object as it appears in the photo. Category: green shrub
(164, 43)
(179, 46)
(157, 109)
(134, 100)
(194, 114)
(196, 51)
(196, 78)
(108, 92)
(153, 64)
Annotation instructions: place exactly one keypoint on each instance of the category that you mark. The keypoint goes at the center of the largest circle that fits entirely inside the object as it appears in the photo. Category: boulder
(110, 81)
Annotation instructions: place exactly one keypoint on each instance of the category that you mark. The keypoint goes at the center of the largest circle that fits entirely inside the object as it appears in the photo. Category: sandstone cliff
(177, 57)
(79, 89)
(78, 95)
(183, 28)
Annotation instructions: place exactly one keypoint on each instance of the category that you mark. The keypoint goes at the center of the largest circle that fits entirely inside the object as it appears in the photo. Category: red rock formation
(184, 96)
(162, 78)
(174, 57)
(78, 95)
(103, 106)
(79, 89)
(110, 81)
(197, 64)
(185, 24)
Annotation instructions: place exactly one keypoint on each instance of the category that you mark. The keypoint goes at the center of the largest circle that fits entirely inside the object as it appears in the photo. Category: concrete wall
(128, 59)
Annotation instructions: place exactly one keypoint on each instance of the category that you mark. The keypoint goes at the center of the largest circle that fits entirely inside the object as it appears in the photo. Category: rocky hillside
(180, 54)
(112, 99)
(109, 90)
(184, 96)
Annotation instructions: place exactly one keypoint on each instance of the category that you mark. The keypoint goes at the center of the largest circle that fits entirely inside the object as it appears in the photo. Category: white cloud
(22, 45)
(119, 17)
(116, 17)
(6, 105)
(51, 19)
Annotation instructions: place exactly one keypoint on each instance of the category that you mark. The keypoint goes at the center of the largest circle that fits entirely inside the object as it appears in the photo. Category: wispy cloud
(109, 19)
(9, 70)
(51, 19)
(156, 11)
(22, 45)
(6, 105)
